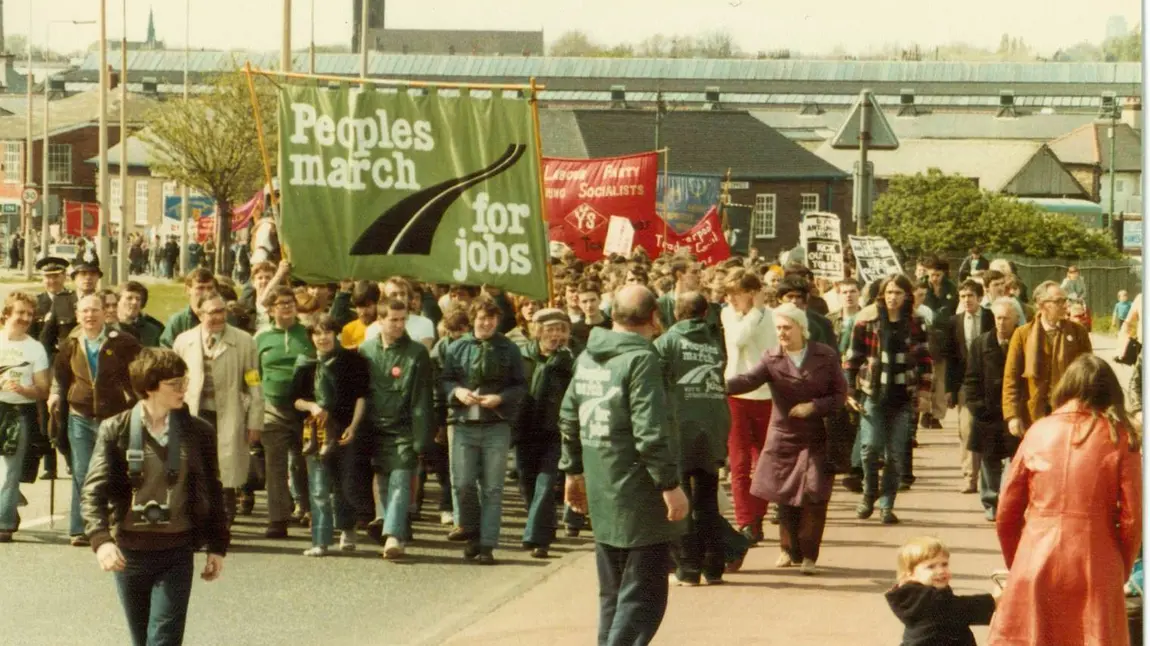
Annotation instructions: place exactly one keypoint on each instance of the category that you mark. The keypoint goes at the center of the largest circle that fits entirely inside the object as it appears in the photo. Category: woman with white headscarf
(807, 384)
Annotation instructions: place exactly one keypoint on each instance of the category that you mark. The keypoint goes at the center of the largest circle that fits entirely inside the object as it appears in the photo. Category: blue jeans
(479, 453)
(393, 501)
(538, 466)
(990, 477)
(154, 590)
(10, 469)
(82, 436)
(322, 507)
(886, 435)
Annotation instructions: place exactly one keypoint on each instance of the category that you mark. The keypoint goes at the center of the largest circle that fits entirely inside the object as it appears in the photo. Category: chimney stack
(1132, 112)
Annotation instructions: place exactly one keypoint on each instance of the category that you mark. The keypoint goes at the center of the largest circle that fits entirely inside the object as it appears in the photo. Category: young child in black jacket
(922, 599)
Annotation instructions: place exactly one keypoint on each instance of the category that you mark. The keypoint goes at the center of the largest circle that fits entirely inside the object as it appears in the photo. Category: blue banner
(687, 199)
(199, 206)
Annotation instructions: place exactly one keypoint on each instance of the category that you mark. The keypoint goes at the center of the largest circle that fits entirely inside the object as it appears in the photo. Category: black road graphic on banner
(409, 226)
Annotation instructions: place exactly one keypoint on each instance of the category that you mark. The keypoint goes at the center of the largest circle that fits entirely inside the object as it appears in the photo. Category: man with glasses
(223, 389)
(90, 374)
(278, 348)
(1039, 354)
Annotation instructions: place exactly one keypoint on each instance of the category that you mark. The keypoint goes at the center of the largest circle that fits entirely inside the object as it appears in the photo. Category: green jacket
(400, 407)
(615, 432)
(692, 358)
(547, 381)
(666, 305)
(278, 350)
(821, 329)
(178, 323)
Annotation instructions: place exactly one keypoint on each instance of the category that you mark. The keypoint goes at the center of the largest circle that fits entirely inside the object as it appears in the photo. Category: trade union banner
(705, 239)
(582, 195)
(81, 218)
(684, 200)
(443, 189)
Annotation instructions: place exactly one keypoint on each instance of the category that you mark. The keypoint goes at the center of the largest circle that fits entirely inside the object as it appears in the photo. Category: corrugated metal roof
(73, 111)
(430, 65)
(993, 163)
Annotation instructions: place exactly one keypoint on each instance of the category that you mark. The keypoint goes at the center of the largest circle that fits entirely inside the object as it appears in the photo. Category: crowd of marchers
(625, 402)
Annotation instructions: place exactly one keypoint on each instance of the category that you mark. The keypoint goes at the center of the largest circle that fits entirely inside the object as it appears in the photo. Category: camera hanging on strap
(151, 512)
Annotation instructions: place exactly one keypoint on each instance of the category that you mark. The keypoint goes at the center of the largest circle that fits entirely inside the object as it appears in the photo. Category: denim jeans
(322, 506)
(82, 436)
(885, 435)
(154, 590)
(479, 454)
(633, 591)
(394, 501)
(538, 466)
(10, 469)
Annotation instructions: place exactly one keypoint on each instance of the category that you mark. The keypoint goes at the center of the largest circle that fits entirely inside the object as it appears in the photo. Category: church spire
(151, 28)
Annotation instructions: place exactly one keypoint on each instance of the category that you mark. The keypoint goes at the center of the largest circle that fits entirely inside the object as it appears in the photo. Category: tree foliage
(715, 44)
(934, 212)
(209, 143)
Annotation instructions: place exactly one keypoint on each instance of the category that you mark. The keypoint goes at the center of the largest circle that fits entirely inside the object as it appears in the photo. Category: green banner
(441, 189)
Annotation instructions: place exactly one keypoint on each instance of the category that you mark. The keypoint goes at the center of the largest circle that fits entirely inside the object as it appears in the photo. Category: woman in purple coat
(807, 384)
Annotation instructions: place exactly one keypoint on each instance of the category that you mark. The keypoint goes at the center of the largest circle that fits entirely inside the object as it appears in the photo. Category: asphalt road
(269, 594)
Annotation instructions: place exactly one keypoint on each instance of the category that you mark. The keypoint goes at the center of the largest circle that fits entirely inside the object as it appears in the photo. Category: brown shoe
(459, 535)
(276, 530)
(5, 537)
(80, 540)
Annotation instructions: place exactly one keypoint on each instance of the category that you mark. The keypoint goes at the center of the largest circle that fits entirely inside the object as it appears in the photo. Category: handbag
(1130, 352)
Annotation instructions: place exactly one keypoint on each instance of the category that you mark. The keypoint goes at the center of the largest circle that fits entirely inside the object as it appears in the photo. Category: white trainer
(446, 518)
(393, 548)
(347, 541)
(317, 551)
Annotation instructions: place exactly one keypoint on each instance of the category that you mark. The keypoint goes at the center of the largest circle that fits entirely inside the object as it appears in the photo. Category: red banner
(583, 194)
(705, 239)
(81, 218)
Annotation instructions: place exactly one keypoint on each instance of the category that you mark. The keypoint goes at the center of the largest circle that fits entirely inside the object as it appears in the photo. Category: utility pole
(311, 47)
(28, 177)
(184, 206)
(862, 202)
(102, 246)
(285, 51)
(121, 275)
(1113, 136)
(363, 13)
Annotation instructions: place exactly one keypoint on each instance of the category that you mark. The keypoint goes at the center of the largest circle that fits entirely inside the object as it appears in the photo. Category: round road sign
(30, 195)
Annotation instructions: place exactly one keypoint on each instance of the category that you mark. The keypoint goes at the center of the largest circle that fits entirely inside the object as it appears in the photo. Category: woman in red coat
(1070, 518)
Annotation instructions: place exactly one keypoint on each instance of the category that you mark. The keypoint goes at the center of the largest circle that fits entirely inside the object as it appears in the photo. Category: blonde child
(923, 601)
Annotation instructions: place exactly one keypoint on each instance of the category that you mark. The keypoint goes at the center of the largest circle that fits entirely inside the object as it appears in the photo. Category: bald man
(620, 464)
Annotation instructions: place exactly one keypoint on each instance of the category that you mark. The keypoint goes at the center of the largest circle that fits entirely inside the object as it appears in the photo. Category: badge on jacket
(252, 378)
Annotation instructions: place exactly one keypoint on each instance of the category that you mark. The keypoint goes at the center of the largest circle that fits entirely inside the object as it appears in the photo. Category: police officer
(57, 303)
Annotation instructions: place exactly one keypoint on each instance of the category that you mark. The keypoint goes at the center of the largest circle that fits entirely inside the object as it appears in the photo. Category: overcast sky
(815, 26)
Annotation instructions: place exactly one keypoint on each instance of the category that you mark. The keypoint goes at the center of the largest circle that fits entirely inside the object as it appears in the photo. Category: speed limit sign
(30, 195)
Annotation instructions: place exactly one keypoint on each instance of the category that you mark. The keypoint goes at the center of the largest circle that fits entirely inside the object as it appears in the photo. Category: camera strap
(135, 453)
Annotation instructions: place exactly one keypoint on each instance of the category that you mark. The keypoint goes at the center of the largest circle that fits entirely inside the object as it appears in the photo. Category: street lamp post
(121, 231)
(44, 229)
(28, 177)
(184, 207)
(102, 245)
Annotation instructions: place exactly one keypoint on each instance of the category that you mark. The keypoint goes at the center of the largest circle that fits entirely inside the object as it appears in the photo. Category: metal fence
(1103, 278)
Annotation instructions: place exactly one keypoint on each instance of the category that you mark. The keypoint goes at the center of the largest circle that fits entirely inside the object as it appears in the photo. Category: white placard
(821, 237)
(620, 236)
(876, 259)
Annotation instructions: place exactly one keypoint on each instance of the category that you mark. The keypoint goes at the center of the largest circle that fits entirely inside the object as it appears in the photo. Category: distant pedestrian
(1073, 284)
(621, 467)
(1121, 310)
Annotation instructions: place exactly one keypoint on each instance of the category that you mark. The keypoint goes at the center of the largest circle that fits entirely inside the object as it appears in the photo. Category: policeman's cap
(51, 265)
(84, 265)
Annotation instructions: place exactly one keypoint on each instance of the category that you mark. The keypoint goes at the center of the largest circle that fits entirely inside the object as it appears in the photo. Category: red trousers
(749, 420)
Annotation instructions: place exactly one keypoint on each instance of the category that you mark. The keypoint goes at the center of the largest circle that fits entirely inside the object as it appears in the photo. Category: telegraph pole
(29, 179)
(184, 206)
(102, 246)
(363, 38)
(121, 231)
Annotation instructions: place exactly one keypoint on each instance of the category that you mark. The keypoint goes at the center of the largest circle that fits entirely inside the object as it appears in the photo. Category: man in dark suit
(971, 321)
(982, 394)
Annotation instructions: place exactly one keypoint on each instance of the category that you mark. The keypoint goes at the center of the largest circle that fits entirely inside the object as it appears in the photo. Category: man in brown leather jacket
(90, 384)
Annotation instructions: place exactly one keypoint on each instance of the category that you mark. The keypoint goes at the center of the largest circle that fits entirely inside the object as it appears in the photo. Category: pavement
(270, 594)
